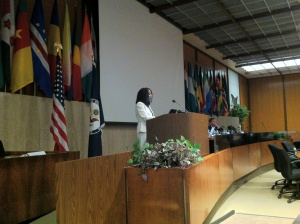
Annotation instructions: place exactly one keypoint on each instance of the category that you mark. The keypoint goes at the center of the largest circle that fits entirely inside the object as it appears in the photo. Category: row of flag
(28, 54)
(205, 92)
(69, 69)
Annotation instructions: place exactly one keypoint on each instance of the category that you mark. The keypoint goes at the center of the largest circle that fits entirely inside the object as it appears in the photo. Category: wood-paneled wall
(292, 94)
(266, 104)
(25, 125)
(204, 61)
(269, 98)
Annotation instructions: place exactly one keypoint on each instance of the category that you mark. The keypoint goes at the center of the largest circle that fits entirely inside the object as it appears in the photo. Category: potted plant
(239, 111)
(172, 153)
(280, 135)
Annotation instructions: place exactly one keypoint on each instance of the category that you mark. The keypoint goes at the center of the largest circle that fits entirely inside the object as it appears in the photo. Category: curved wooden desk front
(188, 196)
(169, 195)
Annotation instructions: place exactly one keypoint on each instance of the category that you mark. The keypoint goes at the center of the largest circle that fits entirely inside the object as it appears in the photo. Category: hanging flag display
(22, 68)
(39, 49)
(7, 38)
(75, 92)
(86, 53)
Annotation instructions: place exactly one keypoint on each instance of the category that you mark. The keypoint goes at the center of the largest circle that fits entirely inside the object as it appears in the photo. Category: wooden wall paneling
(204, 60)
(241, 161)
(266, 103)
(203, 188)
(266, 155)
(219, 68)
(92, 190)
(244, 100)
(225, 169)
(254, 156)
(292, 92)
(33, 124)
(117, 138)
(189, 53)
(160, 203)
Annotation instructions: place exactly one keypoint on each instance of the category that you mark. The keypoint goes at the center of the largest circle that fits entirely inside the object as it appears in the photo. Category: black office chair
(297, 145)
(289, 148)
(288, 172)
(280, 182)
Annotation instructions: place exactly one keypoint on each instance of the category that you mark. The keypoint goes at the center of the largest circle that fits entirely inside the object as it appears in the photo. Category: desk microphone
(180, 105)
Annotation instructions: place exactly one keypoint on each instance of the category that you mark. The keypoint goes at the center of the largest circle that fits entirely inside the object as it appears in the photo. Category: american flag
(58, 120)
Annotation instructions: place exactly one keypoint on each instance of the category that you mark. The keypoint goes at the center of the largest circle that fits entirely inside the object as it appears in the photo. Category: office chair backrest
(288, 146)
(277, 164)
(285, 162)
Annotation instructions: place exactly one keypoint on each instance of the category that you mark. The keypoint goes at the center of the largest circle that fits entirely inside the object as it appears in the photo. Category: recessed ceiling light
(248, 68)
(268, 66)
(278, 64)
(258, 67)
(290, 63)
(297, 61)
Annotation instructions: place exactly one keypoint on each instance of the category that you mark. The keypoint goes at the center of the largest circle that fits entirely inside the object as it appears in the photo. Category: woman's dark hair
(143, 96)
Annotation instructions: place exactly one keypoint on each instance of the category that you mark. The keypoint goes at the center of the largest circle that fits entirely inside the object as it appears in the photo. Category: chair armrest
(297, 161)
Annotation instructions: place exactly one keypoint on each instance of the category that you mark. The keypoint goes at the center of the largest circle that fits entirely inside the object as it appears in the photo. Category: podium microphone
(180, 105)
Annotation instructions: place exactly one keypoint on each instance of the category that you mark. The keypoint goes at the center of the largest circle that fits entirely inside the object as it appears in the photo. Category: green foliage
(178, 153)
(280, 135)
(239, 111)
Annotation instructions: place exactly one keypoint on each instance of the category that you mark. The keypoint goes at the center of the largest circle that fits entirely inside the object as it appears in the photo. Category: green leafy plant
(239, 111)
(280, 135)
(178, 153)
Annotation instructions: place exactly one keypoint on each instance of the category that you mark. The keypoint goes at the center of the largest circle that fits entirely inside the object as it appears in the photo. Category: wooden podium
(192, 126)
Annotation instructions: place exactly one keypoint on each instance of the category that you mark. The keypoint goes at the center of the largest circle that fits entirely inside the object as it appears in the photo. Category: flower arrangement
(239, 111)
(178, 153)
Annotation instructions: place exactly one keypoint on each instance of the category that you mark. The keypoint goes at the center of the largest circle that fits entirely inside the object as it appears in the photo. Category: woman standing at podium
(143, 113)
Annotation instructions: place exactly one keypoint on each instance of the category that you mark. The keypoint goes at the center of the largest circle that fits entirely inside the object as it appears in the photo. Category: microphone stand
(180, 105)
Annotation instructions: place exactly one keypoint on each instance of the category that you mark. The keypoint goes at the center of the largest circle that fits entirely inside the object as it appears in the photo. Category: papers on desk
(34, 153)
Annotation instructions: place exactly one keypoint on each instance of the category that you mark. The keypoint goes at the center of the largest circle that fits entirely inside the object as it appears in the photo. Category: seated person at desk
(212, 122)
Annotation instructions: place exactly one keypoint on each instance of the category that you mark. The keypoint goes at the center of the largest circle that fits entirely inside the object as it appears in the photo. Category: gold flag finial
(58, 45)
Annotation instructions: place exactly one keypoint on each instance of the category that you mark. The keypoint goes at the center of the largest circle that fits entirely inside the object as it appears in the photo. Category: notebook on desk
(2, 151)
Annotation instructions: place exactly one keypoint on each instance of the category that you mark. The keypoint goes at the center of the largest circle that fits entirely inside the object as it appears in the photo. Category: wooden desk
(298, 154)
(28, 185)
